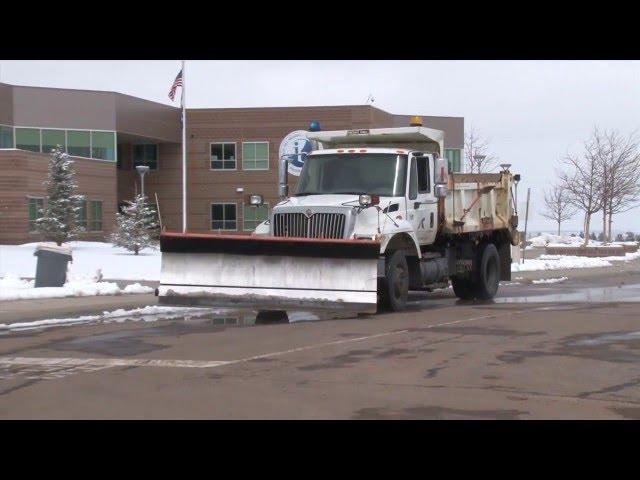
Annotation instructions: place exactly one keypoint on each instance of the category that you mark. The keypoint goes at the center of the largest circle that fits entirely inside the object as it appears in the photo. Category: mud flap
(268, 272)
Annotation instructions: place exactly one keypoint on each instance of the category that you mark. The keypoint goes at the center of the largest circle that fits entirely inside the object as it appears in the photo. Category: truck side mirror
(441, 190)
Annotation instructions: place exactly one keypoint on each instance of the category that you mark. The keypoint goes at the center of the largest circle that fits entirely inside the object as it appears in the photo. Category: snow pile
(136, 288)
(88, 259)
(550, 280)
(568, 262)
(13, 288)
(10, 281)
(144, 314)
(549, 239)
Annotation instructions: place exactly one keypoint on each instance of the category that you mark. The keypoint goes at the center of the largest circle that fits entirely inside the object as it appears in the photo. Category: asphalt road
(569, 350)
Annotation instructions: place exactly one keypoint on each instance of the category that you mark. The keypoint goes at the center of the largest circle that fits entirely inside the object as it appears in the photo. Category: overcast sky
(532, 112)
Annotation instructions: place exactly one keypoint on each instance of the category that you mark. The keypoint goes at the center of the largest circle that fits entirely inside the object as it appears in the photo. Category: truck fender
(402, 240)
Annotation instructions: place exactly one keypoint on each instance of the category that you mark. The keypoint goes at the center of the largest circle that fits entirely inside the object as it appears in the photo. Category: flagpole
(184, 153)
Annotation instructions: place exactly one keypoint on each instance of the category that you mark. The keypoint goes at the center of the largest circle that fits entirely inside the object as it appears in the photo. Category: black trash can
(52, 265)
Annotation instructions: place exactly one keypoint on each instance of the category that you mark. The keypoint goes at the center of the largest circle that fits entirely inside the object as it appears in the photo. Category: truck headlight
(368, 200)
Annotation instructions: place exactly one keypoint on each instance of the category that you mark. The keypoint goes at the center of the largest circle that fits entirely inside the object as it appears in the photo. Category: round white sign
(293, 146)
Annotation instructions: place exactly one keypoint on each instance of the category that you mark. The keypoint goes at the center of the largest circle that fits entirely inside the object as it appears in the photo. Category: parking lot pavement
(567, 350)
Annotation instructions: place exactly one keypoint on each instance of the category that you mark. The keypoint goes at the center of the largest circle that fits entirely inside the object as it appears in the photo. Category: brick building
(231, 152)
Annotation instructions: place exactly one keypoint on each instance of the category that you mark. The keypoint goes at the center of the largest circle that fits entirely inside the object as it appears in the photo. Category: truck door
(422, 205)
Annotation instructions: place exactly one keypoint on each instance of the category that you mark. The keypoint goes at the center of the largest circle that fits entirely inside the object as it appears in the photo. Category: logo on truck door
(294, 145)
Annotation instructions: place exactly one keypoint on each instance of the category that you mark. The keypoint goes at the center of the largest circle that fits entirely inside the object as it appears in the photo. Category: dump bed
(480, 202)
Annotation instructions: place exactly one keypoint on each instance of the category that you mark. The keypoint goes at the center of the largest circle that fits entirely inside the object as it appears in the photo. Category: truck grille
(319, 225)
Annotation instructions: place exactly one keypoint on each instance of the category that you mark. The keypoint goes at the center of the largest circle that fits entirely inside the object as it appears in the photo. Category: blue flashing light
(314, 126)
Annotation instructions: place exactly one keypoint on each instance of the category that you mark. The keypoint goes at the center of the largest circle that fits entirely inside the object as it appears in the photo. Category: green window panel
(223, 156)
(53, 138)
(103, 145)
(223, 216)
(146, 154)
(254, 215)
(255, 156)
(28, 139)
(6, 137)
(35, 207)
(78, 143)
(453, 156)
(95, 224)
(82, 215)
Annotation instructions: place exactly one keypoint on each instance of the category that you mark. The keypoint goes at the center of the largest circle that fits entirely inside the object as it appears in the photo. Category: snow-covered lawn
(568, 262)
(14, 288)
(88, 257)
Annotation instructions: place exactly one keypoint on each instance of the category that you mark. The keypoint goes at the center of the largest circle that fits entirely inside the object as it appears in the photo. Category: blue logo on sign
(293, 146)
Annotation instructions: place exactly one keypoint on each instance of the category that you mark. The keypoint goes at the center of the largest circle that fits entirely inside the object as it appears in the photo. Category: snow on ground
(14, 288)
(145, 314)
(562, 262)
(550, 280)
(551, 240)
(88, 258)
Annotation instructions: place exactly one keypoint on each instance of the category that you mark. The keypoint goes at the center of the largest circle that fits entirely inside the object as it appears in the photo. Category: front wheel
(394, 288)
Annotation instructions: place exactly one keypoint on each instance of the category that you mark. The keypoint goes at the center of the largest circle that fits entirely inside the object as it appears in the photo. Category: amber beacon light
(416, 121)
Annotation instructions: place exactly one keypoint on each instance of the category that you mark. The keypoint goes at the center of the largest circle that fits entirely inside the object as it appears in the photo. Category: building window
(254, 215)
(453, 159)
(223, 156)
(53, 138)
(79, 143)
(103, 145)
(6, 137)
(146, 154)
(223, 216)
(28, 139)
(95, 217)
(82, 215)
(255, 155)
(35, 211)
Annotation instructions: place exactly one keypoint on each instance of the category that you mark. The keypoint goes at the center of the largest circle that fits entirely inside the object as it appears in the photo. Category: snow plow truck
(375, 214)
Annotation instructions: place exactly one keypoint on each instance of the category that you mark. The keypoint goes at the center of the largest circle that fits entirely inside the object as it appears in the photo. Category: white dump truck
(375, 214)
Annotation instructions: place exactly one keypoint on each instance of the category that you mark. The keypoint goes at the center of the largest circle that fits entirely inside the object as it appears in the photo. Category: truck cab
(360, 184)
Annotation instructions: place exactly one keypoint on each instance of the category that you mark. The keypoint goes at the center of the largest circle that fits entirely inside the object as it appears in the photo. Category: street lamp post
(142, 169)
(479, 159)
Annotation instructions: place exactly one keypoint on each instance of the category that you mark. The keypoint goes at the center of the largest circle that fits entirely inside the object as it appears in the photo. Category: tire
(463, 288)
(394, 288)
(488, 274)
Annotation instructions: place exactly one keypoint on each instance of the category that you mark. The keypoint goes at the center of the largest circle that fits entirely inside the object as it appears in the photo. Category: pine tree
(137, 226)
(58, 220)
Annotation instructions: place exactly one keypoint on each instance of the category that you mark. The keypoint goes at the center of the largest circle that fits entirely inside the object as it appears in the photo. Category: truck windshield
(381, 174)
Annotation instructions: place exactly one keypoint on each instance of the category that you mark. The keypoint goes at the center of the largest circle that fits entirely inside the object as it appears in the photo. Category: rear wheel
(488, 272)
(463, 288)
(394, 288)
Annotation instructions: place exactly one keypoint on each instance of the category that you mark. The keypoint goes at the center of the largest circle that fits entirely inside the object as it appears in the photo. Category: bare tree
(620, 164)
(476, 152)
(557, 205)
(584, 183)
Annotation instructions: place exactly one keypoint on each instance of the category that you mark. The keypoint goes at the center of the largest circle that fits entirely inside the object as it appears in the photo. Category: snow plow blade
(268, 273)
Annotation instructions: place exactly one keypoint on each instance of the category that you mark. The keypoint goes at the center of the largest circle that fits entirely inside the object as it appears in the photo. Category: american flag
(176, 83)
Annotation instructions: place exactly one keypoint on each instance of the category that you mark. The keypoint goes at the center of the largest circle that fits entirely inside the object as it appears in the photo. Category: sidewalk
(41, 309)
